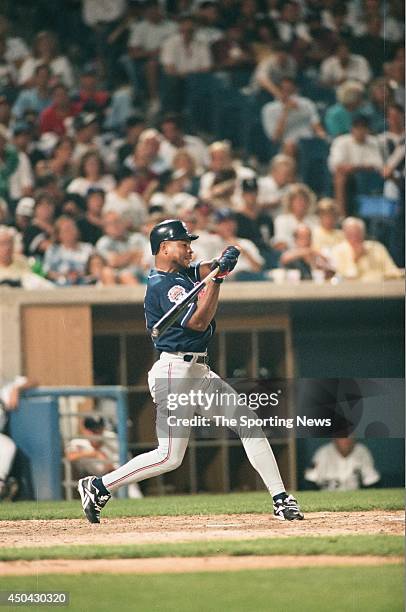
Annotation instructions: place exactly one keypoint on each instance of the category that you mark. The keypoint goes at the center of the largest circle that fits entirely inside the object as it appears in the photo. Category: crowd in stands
(273, 125)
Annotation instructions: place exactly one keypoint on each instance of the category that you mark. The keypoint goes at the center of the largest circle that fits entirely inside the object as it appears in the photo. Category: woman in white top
(91, 174)
(299, 203)
(45, 51)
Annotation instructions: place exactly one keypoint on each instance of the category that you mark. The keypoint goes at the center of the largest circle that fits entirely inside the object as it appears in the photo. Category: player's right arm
(206, 308)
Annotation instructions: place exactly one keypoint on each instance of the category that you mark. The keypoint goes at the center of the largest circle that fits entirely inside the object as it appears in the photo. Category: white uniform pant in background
(7, 453)
(172, 375)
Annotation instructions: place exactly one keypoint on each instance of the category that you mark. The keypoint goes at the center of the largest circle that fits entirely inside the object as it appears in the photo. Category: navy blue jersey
(164, 289)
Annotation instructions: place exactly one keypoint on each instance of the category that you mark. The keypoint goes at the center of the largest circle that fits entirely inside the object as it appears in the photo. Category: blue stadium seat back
(258, 144)
(309, 88)
(199, 101)
(312, 165)
(376, 206)
(368, 182)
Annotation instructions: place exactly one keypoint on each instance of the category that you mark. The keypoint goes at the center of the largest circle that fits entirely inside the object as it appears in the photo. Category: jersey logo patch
(176, 293)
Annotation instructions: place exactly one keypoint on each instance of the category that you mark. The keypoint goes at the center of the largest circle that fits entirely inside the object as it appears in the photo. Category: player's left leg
(256, 445)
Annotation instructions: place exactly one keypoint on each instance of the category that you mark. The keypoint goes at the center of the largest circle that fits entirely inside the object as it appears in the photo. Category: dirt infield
(148, 530)
(166, 565)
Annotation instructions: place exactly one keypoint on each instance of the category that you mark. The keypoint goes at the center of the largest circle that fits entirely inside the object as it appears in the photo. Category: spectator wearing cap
(221, 160)
(135, 125)
(359, 259)
(85, 126)
(182, 54)
(37, 98)
(270, 71)
(91, 224)
(344, 65)
(339, 116)
(45, 51)
(122, 250)
(272, 188)
(145, 44)
(351, 152)
(290, 118)
(8, 162)
(299, 203)
(326, 235)
(65, 260)
(96, 452)
(23, 214)
(175, 139)
(55, 117)
(15, 270)
(250, 262)
(255, 224)
(39, 234)
(302, 255)
(91, 174)
(22, 180)
(124, 200)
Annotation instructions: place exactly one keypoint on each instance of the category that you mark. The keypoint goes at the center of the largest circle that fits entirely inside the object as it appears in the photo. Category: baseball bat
(179, 308)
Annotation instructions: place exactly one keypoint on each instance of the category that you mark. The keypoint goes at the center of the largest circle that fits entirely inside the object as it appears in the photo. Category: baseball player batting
(182, 365)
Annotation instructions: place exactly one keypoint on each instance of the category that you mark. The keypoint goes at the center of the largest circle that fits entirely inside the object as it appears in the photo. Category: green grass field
(382, 545)
(308, 589)
(372, 589)
(232, 503)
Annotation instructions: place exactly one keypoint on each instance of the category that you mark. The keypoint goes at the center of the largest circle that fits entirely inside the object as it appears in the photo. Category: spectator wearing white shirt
(343, 66)
(271, 70)
(145, 43)
(342, 465)
(95, 12)
(182, 54)
(299, 204)
(272, 188)
(45, 51)
(122, 251)
(125, 202)
(175, 139)
(208, 16)
(221, 162)
(291, 118)
(250, 261)
(363, 260)
(16, 49)
(91, 174)
(351, 152)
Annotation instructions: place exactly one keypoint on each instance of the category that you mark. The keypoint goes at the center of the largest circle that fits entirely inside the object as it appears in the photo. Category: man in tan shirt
(357, 258)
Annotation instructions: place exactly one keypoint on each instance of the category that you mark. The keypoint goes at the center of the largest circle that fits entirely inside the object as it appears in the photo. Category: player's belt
(195, 358)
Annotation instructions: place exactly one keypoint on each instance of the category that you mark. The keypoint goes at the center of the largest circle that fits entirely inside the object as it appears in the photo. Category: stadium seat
(313, 153)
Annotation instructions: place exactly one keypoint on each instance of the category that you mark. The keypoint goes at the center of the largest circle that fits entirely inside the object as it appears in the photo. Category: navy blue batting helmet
(172, 229)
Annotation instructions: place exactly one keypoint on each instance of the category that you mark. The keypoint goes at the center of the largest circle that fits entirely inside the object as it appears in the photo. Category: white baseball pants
(171, 373)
